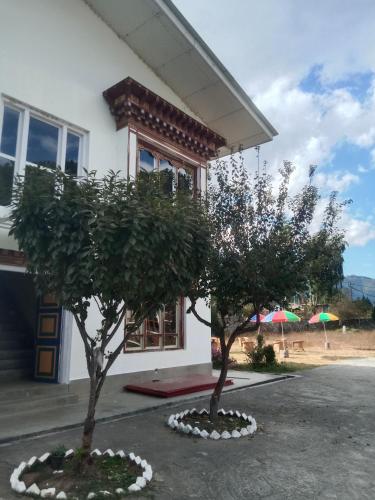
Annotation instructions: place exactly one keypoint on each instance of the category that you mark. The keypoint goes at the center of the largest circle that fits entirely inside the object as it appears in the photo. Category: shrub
(262, 355)
(269, 355)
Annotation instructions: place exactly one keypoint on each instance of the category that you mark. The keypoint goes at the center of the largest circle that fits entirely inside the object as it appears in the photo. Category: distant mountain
(359, 286)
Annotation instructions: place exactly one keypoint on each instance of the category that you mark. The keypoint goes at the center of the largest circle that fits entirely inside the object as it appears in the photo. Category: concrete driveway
(315, 441)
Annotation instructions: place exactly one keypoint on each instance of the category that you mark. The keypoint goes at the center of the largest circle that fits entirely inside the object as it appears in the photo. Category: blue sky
(311, 71)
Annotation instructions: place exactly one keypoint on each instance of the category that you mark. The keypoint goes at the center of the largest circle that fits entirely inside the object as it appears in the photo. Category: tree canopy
(128, 246)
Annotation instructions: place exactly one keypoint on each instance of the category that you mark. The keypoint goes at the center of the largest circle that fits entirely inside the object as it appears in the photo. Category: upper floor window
(29, 139)
(174, 174)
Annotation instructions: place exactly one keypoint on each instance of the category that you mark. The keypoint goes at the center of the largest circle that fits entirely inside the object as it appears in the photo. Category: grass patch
(104, 474)
(283, 367)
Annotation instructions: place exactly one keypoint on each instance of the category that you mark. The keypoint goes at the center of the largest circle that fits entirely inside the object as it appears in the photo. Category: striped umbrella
(254, 319)
(323, 317)
(281, 317)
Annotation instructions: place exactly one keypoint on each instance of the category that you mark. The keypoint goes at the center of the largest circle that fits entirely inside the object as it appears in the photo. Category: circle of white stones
(34, 490)
(250, 425)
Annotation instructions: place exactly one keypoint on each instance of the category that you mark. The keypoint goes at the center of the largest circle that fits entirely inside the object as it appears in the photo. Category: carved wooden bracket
(130, 102)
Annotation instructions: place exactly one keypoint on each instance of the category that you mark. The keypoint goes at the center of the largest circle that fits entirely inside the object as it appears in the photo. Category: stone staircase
(16, 344)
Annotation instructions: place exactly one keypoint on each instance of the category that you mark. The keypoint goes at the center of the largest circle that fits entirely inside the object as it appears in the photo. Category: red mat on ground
(176, 386)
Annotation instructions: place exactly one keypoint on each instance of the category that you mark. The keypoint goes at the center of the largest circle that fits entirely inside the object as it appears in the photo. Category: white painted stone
(33, 490)
(134, 487)
(48, 493)
(96, 452)
(171, 419)
(215, 435)
(58, 471)
(204, 434)
(109, 453)
(192, 411)
(69, 454)
(91, 495)
(19, 487)
(132, 456)
(244, 416)
(105, 493)
(221, 412)
(226, 435)
(188, 429)
(120, 491)
(236, 434)
(177, 416)
(196, 431)
(238, 414)
(144, 464)
(44, 457)
(230, 412)
(147, 474)
(137, 460)
(203, 412)
(181, 427)
(32, 461)
(186, 412)
(244, 431)
(61, 495)
(141, 481)
(121, 453)
(173, 424)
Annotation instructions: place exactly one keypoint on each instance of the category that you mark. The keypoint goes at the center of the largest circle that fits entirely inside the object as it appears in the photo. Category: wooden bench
(279, 345)
(298, 345)
(248, 346)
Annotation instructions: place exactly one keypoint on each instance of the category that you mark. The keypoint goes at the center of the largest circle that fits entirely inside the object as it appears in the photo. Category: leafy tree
(325, 254)
(260, 240)
(347, 309)
(116, 245)
(373, 313)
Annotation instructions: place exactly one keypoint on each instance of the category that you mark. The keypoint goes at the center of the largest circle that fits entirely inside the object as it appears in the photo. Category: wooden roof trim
(129, 101)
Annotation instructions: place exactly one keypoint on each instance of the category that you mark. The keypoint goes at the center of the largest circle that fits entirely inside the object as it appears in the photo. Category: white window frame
(63, 127)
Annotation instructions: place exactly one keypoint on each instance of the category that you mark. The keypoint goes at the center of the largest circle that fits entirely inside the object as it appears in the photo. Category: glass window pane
(153, 341)
(72, 152)
(6, 181)
(146, 161)
(170, 319)
(8, 142)
(167, 175)
(170, 341)
(134, 343)
(153, 323)
(185, 179)
(42, 143)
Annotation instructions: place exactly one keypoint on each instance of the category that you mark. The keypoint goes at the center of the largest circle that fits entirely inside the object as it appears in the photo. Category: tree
(325, 254)
(117, 245)
(260, 241)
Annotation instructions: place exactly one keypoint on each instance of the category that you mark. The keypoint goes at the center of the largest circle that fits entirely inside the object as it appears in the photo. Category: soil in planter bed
(223, 423)
(105, 473)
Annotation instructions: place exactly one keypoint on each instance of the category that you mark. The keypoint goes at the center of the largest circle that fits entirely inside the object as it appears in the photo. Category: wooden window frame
(160, 154)
(181, 317)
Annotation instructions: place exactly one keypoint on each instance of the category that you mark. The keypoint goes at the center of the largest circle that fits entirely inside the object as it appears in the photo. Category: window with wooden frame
(175, 173)
(160, 331)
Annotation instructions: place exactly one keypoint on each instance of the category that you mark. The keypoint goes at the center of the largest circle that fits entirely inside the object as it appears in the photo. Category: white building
(106, 84)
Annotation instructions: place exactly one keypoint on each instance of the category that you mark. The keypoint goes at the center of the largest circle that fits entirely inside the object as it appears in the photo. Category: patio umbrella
(281, 317)
(254, 320)
(323, 317)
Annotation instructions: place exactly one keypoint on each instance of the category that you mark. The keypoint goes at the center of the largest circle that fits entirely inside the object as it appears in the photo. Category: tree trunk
(89, 423)
(215, 397)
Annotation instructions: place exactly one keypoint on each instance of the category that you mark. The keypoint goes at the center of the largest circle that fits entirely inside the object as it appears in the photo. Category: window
(162, 330)
(174, 174)
(28, 139)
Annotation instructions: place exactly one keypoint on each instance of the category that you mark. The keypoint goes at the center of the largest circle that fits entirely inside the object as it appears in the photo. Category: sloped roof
(169, 45)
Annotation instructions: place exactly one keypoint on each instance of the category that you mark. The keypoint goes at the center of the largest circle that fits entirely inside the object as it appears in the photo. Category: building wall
(59, 57)
(197, 349)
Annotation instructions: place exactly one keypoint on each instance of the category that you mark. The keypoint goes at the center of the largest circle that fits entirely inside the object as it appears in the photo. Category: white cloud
(270, 47)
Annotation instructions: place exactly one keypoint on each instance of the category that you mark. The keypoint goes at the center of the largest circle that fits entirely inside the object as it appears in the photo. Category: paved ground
(316, 441)
(112, 403)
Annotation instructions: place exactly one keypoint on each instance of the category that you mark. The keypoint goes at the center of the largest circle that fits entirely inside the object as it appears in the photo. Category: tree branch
(199, 318)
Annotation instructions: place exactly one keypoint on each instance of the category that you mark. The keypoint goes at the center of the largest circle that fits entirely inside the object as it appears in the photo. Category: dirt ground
(352, 344)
